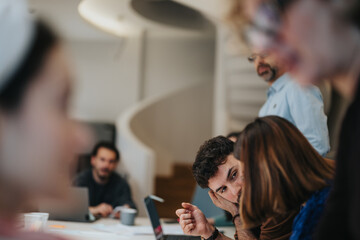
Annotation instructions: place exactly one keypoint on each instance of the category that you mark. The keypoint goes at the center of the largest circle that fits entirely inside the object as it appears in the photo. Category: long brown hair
(281, 169)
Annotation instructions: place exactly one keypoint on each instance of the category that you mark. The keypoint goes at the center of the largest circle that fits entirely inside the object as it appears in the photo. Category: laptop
(74, 208)
(155, 222)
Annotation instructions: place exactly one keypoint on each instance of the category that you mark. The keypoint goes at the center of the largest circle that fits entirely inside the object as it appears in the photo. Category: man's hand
(103, 210)
(118, 214)
(224, 204)
(193, 221)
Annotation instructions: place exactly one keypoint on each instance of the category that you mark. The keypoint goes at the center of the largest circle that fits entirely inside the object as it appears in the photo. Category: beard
(101, 175)
(268, 75)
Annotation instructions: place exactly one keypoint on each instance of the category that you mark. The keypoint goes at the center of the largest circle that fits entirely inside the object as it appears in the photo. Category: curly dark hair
(210, 156)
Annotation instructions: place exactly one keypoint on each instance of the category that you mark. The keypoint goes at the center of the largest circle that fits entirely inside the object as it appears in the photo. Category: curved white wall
(158, 132)
(137, 160)
(176, 126)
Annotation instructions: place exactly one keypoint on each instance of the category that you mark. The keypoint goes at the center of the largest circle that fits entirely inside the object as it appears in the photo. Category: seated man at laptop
(215, 167)
(107, 189)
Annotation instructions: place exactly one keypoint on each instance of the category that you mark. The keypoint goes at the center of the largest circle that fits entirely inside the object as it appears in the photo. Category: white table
(82, 231)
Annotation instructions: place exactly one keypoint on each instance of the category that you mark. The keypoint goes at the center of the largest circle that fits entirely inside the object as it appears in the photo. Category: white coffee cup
(35, 221)
(127, 216)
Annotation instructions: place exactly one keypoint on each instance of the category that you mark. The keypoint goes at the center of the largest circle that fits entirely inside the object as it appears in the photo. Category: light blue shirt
(303, 107)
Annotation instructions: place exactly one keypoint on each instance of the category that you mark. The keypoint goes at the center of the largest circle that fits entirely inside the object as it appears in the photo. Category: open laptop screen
(154, 217)
(74, 208)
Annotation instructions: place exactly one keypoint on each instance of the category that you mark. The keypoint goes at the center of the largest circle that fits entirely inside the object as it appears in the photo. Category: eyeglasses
(252, 57)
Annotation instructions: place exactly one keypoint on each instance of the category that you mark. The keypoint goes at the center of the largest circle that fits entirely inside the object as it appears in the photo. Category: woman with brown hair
(282, 172)
(318, 40)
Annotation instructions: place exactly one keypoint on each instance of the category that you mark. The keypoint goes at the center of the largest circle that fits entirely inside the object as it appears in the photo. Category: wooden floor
(175, 190)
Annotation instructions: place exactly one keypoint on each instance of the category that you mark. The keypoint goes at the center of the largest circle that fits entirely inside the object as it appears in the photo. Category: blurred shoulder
(83, 177)
(118, 178)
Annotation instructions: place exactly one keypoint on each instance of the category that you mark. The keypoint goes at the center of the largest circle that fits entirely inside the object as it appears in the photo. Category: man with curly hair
(216, 168)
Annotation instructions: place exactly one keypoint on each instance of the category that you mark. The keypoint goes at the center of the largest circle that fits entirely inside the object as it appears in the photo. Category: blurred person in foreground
(318, 40)
(302, 106)
(215, 167)
(282, 172)
(107, 189)
(38, 141)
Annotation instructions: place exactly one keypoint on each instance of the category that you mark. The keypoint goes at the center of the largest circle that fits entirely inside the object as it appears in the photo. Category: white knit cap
(16, 33)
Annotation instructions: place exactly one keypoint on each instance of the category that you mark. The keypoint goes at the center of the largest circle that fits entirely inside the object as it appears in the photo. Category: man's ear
(117, 163)
(92, 160)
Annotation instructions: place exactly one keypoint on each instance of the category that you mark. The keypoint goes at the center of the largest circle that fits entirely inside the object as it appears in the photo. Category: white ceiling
(64, 16)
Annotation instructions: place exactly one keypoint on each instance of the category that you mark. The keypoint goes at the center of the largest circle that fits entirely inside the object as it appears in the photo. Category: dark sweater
(341, 219)
(115, 192)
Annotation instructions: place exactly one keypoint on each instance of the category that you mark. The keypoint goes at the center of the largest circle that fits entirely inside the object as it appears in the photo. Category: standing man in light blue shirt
(302, 106)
